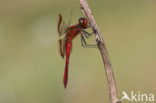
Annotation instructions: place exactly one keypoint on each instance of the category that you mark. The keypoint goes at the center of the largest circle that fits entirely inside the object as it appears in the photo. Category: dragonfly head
(83, 23)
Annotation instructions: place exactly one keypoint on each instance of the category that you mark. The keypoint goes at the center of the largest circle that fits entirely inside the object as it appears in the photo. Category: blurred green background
(31, 69)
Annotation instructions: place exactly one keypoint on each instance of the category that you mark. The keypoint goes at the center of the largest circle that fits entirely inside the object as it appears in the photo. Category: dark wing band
(62, 27)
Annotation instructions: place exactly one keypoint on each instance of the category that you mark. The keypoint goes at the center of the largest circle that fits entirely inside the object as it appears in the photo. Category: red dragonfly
(71, 32)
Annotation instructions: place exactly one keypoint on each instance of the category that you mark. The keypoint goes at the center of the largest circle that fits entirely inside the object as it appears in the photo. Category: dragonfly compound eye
(83, 22)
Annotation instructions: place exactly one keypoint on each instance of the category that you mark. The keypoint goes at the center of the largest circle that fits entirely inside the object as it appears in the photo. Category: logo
(138, 96)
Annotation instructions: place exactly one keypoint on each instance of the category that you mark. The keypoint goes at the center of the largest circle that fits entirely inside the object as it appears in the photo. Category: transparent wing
(69, 22)
(62, 27)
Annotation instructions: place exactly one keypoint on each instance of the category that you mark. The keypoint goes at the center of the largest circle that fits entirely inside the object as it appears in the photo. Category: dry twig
(101, 45)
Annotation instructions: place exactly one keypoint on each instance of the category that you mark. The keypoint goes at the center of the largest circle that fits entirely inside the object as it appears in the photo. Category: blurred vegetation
(31, 69)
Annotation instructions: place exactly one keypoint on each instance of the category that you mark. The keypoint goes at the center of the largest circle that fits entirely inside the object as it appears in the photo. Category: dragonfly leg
(87, 34)
(84, 44)
(89, 25)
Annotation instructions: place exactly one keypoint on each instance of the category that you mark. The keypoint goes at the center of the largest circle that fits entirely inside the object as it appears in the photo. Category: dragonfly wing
(69, 22)
(62, 43)
(64, 46)
(62, 27)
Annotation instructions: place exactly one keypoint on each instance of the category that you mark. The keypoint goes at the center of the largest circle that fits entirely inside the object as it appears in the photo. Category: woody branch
(102, 47)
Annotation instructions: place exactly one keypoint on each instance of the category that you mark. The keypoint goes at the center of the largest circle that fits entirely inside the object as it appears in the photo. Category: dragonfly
(70, 32)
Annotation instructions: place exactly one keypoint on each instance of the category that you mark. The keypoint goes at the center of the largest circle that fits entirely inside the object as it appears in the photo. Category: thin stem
(101, 45)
